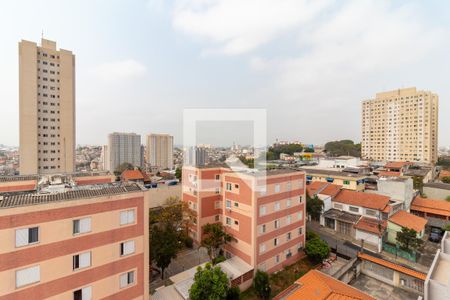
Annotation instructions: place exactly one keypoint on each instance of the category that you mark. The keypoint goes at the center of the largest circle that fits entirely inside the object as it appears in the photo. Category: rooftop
(388, 174)
(341, 216)
(26, 199)
(18, 178)
(396, 164)
(132, 175)
(371, 225)
(438, 185)
(438, 207)
(405, 219)
(324, 188)
(316, 285)
(363, 199)
(313, 170)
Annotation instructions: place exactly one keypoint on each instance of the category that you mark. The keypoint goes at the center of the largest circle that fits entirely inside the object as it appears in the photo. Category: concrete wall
(158, 196)
(436, 193)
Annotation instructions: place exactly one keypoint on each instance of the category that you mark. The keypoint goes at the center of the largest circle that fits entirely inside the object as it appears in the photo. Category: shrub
(317, 250)
(262, 285)
(218, 259)
(188, 242)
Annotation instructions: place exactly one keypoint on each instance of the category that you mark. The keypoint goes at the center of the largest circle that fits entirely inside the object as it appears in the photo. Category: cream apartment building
(160, 151)
(400, 125)
(46, 108)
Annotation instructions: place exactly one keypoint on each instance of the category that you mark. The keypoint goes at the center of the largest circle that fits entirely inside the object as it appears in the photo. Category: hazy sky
(309, 63)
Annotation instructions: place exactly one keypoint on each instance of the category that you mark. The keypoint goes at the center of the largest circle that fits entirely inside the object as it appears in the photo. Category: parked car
(435, 235)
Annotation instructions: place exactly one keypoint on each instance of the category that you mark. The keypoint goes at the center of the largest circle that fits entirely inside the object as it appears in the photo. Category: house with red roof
(132, 176)
(404, 219)
(435, 211)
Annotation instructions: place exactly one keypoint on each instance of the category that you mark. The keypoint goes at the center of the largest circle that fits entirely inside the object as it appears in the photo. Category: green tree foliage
(248, 162)
(214, 238)
(407, 239)
(446, 227)
(343, 147)
(310, 235)
(314, 207)
(164, 246)
(418, 184)
(234, 293)
(308, 150)
(125, 166)
(178, 173)
(446, 179)
(448, 198)
(317, 250)
(261, 285)
(209, 283)
(275, 151)
(444, 162)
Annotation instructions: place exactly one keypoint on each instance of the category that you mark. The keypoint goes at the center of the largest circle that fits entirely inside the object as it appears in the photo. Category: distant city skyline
(309, 63)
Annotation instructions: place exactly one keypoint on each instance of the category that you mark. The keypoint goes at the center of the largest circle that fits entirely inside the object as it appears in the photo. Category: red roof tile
(371, 225)
(363, 199)
(324, 188)
(390, 265)
(132, 175)
(389, 173)
(434, 206)
(316, 285)
(405, 219)
(396, 164)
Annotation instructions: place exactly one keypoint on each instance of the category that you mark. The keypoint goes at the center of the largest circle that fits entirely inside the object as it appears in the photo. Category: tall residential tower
(160, 151)
(47, 108)
(122, 148)
(400, 125)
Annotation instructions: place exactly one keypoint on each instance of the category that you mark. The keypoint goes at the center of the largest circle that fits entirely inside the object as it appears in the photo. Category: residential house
(404, 219)
(348, 180)
(436, 212)
(437, 283)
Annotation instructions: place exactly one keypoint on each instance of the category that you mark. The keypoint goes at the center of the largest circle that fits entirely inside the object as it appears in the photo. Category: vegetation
(209, 283)
(310, 235)
(444, 162)
(275, 151)
(314, 207)
(446, 179)
(407, 238)
(262, 285)
(343, 147)
(418, 184)
(163, 246)
(446, 227)
(317, 250)
(448, 198)
(234, 293)
(178, 173)
(248, 162)
(215, 238)
(125, 166)
(308, 150)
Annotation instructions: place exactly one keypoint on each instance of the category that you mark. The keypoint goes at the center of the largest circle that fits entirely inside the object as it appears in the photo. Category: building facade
(123, 148)
(400, 125)
(46, 108)
(82, 244)
(264, 213)
(160, 151)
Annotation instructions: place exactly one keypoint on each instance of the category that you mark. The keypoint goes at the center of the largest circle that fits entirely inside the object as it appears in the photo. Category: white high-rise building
(160, 151)
(122, 148)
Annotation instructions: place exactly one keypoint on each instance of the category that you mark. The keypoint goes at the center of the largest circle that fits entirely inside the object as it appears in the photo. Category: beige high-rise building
(46, 108)
(401, 125)
(160, 151)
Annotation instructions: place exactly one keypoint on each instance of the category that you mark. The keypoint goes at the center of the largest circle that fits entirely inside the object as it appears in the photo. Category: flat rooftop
(322, 171)
(35, 198)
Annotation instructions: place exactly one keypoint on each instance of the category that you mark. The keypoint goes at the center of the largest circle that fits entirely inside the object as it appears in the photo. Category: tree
(446, 227)
(234, 293)
(407, 238)
(164, 246)
(122, 167)
(418, 184)
(308, 150)
(317, 250)
(178, 173)
(214, 238)
(446, 179)
(448, 198)
(209, 283)
(261, 285)
(314, 207)
(248, 162)
(275, 151)
(343, 147)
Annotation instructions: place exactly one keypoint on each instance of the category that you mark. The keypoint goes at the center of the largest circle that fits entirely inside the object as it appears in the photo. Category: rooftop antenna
(42, 34)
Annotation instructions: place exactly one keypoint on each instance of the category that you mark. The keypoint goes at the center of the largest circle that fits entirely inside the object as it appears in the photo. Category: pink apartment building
(265, 212)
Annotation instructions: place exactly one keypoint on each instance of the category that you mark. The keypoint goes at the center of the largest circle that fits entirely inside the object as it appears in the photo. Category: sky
(140, 63)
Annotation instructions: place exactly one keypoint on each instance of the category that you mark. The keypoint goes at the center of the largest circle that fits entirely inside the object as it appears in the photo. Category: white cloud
(240, 26)
(119, 70)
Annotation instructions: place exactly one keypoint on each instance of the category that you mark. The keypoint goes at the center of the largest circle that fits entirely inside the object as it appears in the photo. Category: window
(217, 176)
(275, 242)
(83, 294)
(81, 225)
(277, 206)
(300, 230)
(236, 222)
(277, 188)
(300, 215)
(277, 259)
(82, 260)
(277, 224)
(228, 203)
(236, 186)
(126, 279)
(217, 204)
(288, 236)
(28, 276)
(288, 253)
(127, 217)
(288, 202)
(347, 182)
(236, 204)
(217, 190)
(371, 212)
(217, 218)
(229, 186)
(228, 221)
(262, 248)
(262, 210)
(338, 206)
(300, 199)
(288, 220)
(288, 186)
(262, 228)
(126, 248)
(27, 236)
(353, 209)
